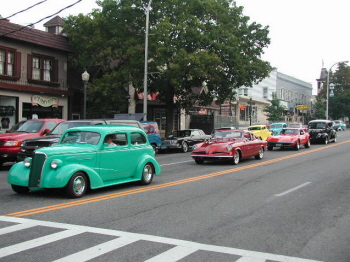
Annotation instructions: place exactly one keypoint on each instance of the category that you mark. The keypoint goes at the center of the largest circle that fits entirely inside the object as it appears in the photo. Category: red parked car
(229, 145)
(10, 143)
(289, 137)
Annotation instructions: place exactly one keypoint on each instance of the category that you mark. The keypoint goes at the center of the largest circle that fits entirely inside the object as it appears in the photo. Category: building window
(10, 63)
(42, 69)
(246, 91)
(265, 92)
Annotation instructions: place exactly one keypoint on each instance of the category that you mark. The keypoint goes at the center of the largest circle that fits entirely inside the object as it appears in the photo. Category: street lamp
(146, 64)
(250, 108)
(85, 77)
(327, 98)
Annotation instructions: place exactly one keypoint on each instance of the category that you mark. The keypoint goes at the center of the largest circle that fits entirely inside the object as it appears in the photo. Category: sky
(306, 35)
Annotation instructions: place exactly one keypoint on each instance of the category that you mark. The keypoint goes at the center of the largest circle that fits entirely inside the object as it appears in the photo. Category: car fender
(58, 178)
(144, 159)
(18, 175)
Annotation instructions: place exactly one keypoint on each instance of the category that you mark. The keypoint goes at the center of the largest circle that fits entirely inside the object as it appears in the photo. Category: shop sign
(45, 102)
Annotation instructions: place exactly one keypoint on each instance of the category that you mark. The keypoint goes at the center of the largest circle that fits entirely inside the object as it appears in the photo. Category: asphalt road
(289, 206)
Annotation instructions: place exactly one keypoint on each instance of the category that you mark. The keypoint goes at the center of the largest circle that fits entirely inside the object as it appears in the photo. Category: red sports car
(289, 137)
(229, 145)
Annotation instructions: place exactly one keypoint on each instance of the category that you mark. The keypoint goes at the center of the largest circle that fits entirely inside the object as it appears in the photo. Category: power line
(23, 10)
(41, 19)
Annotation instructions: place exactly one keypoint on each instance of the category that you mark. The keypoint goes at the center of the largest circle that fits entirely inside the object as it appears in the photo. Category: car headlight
(11, 143)
(229, 147)
(27, 162)
(55, 164)
(194, 147)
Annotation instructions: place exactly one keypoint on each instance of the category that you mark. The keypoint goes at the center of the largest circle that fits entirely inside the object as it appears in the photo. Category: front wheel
(235, 159)
(147, 174)
(20, 189)
(77, 185)
(297, 146)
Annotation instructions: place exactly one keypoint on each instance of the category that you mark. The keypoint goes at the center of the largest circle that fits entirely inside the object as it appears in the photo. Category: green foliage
(339, 104)
(274, 112)
(190, 42)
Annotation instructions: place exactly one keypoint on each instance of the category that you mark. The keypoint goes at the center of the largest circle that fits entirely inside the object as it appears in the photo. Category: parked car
(276, 128)
(260, 131)
(289, 137)
(229, 145)
(184, 139)
(339, 125)
(51, 138)
(322, 131)
(10, 143)
(83, 160)
(152, 131)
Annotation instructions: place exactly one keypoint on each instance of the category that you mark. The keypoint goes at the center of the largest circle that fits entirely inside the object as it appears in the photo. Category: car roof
(106, 129)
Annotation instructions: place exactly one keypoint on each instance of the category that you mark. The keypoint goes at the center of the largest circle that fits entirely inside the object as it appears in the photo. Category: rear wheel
(20, 189)
(260, 155)
(307, 145)
(77, 185)
(147, 174)
(236, 158)
(184, 147)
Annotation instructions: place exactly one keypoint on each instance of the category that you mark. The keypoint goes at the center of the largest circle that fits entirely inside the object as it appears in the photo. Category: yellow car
(260, 131)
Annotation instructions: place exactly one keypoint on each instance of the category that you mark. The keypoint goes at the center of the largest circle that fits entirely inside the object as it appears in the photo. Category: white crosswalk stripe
(178, 250)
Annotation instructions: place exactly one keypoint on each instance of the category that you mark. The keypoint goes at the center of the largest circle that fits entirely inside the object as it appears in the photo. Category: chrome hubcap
(79, 185)
(147, 173)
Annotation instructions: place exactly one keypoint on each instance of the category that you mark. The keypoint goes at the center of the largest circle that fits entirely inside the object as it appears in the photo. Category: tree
(274, 112)
(191, 42)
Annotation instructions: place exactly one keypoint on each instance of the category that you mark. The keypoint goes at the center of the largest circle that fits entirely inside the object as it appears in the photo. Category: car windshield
(85, 137)
(276, 126)
(31, 127)
(317, 125)
(227, 134)
(290, 132)
(254, 128)
(181, 133)
(63, 126)
(15, 127)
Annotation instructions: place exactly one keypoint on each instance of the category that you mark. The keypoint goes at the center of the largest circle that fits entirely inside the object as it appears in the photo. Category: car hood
(282, 138)
(17, 136)
(72, 149)
(49, 138)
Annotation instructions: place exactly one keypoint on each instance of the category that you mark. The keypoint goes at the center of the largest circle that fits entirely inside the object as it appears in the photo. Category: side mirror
(46, 131)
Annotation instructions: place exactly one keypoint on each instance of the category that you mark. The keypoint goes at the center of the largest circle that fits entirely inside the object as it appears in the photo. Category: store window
(10, 63)
(42, 69)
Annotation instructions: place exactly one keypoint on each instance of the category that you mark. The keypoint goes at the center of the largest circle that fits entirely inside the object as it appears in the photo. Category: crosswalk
(172, 249)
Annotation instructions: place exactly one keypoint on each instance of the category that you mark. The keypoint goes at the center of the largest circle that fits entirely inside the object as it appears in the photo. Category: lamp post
(145, 92)
(327, 98)
(85, 77)
(250, 109)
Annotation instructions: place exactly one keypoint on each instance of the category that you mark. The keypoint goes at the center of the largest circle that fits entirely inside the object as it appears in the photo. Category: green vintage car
(83, 160)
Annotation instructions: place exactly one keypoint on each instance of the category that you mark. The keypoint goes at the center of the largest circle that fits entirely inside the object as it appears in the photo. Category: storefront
(15, 107)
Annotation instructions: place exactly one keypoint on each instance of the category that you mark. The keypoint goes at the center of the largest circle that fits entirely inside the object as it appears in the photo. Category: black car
(322, 131)
(184, 139)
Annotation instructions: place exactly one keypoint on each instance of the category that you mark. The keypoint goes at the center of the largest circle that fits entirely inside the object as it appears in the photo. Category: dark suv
(322, 131)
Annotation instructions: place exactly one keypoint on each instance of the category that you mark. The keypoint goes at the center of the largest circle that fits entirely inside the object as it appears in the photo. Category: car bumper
(280, 144)
(216, 157)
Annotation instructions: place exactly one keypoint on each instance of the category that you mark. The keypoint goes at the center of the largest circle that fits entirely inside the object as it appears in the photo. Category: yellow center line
(165, 185)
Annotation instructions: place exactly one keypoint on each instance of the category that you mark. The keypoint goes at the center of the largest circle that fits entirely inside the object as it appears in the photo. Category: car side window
(195, 133)
(120, 139)
(138, 138)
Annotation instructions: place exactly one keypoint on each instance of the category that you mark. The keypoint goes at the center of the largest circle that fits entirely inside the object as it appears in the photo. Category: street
(289, 206)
